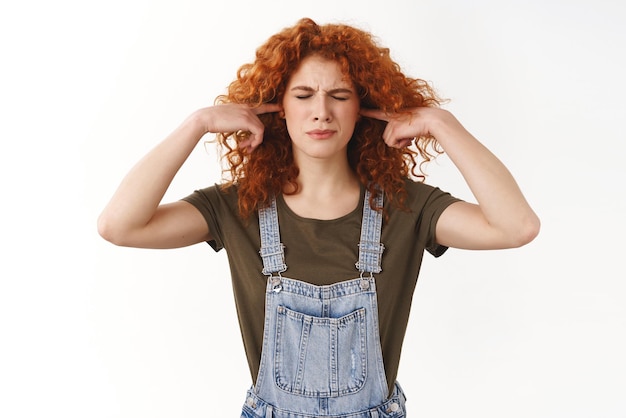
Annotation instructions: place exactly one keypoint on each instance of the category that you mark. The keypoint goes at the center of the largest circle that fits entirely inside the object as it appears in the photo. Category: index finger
(267, 108)
(375, 114)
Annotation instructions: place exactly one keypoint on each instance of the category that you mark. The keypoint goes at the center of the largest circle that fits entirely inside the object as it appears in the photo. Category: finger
(267, 108)
(403, 142)
(393, 138)
(255, 140)
(375, 114)
(255, 137)
(398, 142)
(255, 126)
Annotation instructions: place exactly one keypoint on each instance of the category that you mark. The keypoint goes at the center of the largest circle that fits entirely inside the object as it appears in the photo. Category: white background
(88, 329)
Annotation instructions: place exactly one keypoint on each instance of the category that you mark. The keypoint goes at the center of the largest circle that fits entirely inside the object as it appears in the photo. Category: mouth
(320, 133)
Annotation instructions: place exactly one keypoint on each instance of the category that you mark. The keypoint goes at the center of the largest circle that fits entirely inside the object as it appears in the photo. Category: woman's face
(321, 109)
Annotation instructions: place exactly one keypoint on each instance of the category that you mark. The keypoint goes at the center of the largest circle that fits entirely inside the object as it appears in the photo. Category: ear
(281, 114)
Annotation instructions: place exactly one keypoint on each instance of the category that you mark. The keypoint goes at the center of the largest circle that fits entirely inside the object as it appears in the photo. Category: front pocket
(320, 357)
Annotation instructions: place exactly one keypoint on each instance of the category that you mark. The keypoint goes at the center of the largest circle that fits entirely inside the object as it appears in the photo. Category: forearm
(137, 198)
(499, 197)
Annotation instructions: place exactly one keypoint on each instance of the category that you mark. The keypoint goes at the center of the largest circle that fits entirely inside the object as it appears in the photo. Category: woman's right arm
(135, 217)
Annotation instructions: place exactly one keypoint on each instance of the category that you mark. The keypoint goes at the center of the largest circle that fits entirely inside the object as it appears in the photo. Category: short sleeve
(431, 202)
(210, 203)
(432, 246)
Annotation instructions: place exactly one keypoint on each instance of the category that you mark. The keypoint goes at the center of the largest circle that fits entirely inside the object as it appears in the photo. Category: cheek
(291, 124)
(292, 113)
(290, 120)
(351, 116)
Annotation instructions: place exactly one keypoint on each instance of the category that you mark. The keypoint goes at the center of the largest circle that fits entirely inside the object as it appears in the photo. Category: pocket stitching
(356, 320)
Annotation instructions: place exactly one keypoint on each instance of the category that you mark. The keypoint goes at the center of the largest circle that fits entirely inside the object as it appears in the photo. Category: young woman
(325, 217)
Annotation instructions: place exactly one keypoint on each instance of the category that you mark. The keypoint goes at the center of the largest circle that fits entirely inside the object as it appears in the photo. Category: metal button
(276, 284)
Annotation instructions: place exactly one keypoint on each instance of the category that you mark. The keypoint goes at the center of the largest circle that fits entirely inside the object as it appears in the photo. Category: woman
(323, 136)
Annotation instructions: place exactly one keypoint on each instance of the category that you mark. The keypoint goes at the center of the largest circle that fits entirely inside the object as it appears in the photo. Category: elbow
(104, 229)
(527, 231)
(108, 231)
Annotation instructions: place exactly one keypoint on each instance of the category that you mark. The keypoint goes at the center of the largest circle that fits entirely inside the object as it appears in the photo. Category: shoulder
(215, 195)
(414, 186)
(217, 203)
(421, 195)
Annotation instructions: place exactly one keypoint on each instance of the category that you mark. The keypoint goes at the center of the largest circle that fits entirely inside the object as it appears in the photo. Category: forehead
(315, 71)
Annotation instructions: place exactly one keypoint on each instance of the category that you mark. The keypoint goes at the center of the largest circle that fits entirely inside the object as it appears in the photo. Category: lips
(320, 133)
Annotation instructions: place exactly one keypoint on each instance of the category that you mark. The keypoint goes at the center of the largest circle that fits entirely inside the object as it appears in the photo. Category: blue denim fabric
(321, 351)
(370, 247)
(272, 250)
(393, 407)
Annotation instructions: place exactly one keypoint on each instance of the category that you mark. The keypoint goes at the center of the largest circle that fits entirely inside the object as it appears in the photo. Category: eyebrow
(332, 91)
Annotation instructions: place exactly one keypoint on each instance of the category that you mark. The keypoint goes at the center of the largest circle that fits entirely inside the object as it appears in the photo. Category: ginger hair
(379, 82)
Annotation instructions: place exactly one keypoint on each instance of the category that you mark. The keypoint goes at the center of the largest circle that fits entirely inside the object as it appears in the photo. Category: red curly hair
(379, 83)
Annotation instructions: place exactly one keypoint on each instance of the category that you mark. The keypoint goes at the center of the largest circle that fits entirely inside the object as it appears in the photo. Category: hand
(403, 128)
(233, 117)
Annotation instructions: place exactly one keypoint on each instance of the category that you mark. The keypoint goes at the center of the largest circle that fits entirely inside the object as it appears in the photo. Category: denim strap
(370, 247)
(272, 250)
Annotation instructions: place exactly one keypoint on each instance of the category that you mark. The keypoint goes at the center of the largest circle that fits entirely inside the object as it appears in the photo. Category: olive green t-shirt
(324, 252)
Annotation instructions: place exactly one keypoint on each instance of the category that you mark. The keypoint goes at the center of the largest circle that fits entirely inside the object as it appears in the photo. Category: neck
(325, 177)
(326, 190)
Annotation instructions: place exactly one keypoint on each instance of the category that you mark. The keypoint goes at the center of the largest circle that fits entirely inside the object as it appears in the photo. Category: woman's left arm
(502, 218)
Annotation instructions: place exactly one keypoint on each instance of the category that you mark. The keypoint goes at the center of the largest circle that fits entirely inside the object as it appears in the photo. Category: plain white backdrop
(88, 329)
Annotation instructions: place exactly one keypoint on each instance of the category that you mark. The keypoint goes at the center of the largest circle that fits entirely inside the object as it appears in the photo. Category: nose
(322, 111)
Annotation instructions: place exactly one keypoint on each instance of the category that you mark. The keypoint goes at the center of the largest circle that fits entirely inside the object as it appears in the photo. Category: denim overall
(321, 353)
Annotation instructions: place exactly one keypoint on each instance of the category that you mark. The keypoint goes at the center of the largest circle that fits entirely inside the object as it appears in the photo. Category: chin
(321, 151)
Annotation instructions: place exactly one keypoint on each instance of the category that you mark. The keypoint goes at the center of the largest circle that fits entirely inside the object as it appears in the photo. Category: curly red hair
(379, 83)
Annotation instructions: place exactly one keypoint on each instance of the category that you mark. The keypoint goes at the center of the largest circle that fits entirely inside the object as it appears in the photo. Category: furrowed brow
(340, 90)
(303, 88)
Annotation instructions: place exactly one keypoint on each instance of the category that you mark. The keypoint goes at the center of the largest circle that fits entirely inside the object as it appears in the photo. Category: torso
(323, 252)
